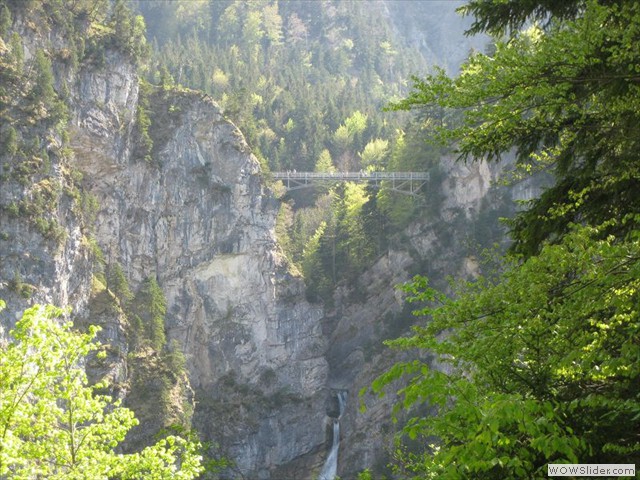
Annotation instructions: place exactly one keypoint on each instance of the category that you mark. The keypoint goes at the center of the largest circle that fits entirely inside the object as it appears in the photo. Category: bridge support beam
(403, 182)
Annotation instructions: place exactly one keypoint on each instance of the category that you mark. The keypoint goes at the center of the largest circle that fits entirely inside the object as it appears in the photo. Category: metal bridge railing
(403, 182)
(350, 176)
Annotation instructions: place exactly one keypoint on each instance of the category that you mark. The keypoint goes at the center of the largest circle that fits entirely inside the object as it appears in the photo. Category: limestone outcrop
(194, 213)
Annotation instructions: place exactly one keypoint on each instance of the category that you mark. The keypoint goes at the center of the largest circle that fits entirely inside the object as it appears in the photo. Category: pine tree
(151, 306)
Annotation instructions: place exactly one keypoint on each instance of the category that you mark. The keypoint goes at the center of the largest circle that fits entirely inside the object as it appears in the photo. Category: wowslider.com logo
(591, 470)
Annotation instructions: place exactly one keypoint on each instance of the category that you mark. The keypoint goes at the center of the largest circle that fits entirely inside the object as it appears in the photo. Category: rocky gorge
(264, 366)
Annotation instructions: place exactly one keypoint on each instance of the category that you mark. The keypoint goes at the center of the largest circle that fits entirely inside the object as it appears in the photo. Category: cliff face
(199, 218)
(447, 244)
(434, 29)
(263, 364)
(44, 255)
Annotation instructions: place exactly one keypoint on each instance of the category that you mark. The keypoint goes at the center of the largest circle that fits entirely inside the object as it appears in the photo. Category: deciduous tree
(54, 425)
(540, 365)
(565, 97)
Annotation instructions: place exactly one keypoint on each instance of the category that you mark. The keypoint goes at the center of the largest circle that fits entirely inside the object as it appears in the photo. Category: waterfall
(330, 466)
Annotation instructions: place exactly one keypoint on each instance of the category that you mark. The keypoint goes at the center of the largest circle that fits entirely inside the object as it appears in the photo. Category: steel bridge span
(403, 182)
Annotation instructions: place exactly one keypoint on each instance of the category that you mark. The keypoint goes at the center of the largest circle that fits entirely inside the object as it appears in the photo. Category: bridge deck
(403, 182)
(350, 176)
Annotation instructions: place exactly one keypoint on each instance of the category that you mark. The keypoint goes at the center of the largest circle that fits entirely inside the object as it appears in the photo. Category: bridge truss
(403, 182)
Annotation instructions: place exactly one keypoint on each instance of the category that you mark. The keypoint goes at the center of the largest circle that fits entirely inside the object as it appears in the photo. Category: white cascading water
(330, 467)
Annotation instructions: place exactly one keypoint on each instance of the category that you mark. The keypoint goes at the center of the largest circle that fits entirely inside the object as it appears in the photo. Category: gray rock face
(438, 248)
(262, 361)
(56, 271)
(199, 218)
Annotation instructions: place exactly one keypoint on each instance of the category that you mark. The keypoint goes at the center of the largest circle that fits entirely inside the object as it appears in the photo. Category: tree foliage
(305, 60)
(117, 282)
(42, 89)
(54, 425)
(325, 162)
(566, 98)
(128, 31)
(331, 242)
(150, 305)
(374, 154)
(503, 16)
(540, 365)
(538, 362)
(318, 282)
(305, 82)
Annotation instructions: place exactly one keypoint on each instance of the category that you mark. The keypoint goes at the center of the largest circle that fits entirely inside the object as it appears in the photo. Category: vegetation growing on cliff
(34, 102)
(40, 183)
(542, 364)
(30, 108)
(559, 380)
(53, 424)
(297, 77)
(538, 362)
(565, 97)
(306, 82)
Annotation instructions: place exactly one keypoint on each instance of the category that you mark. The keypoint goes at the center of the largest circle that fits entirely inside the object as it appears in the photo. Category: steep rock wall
(434, 29)
(446, 244)
(36, 265)
(262, 361)
(199, 218)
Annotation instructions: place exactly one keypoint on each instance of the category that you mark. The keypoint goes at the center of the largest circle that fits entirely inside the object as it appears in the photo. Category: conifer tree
(42, 90)
(5, 20)
(151, 306)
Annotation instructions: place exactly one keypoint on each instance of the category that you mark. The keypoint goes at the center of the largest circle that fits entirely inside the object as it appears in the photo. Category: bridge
(403, 182)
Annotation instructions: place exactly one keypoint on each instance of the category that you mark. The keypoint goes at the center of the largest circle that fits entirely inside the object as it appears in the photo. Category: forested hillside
(298, 77)
(129, 198)
(61, 413)
(307, 82)
(238, 321)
